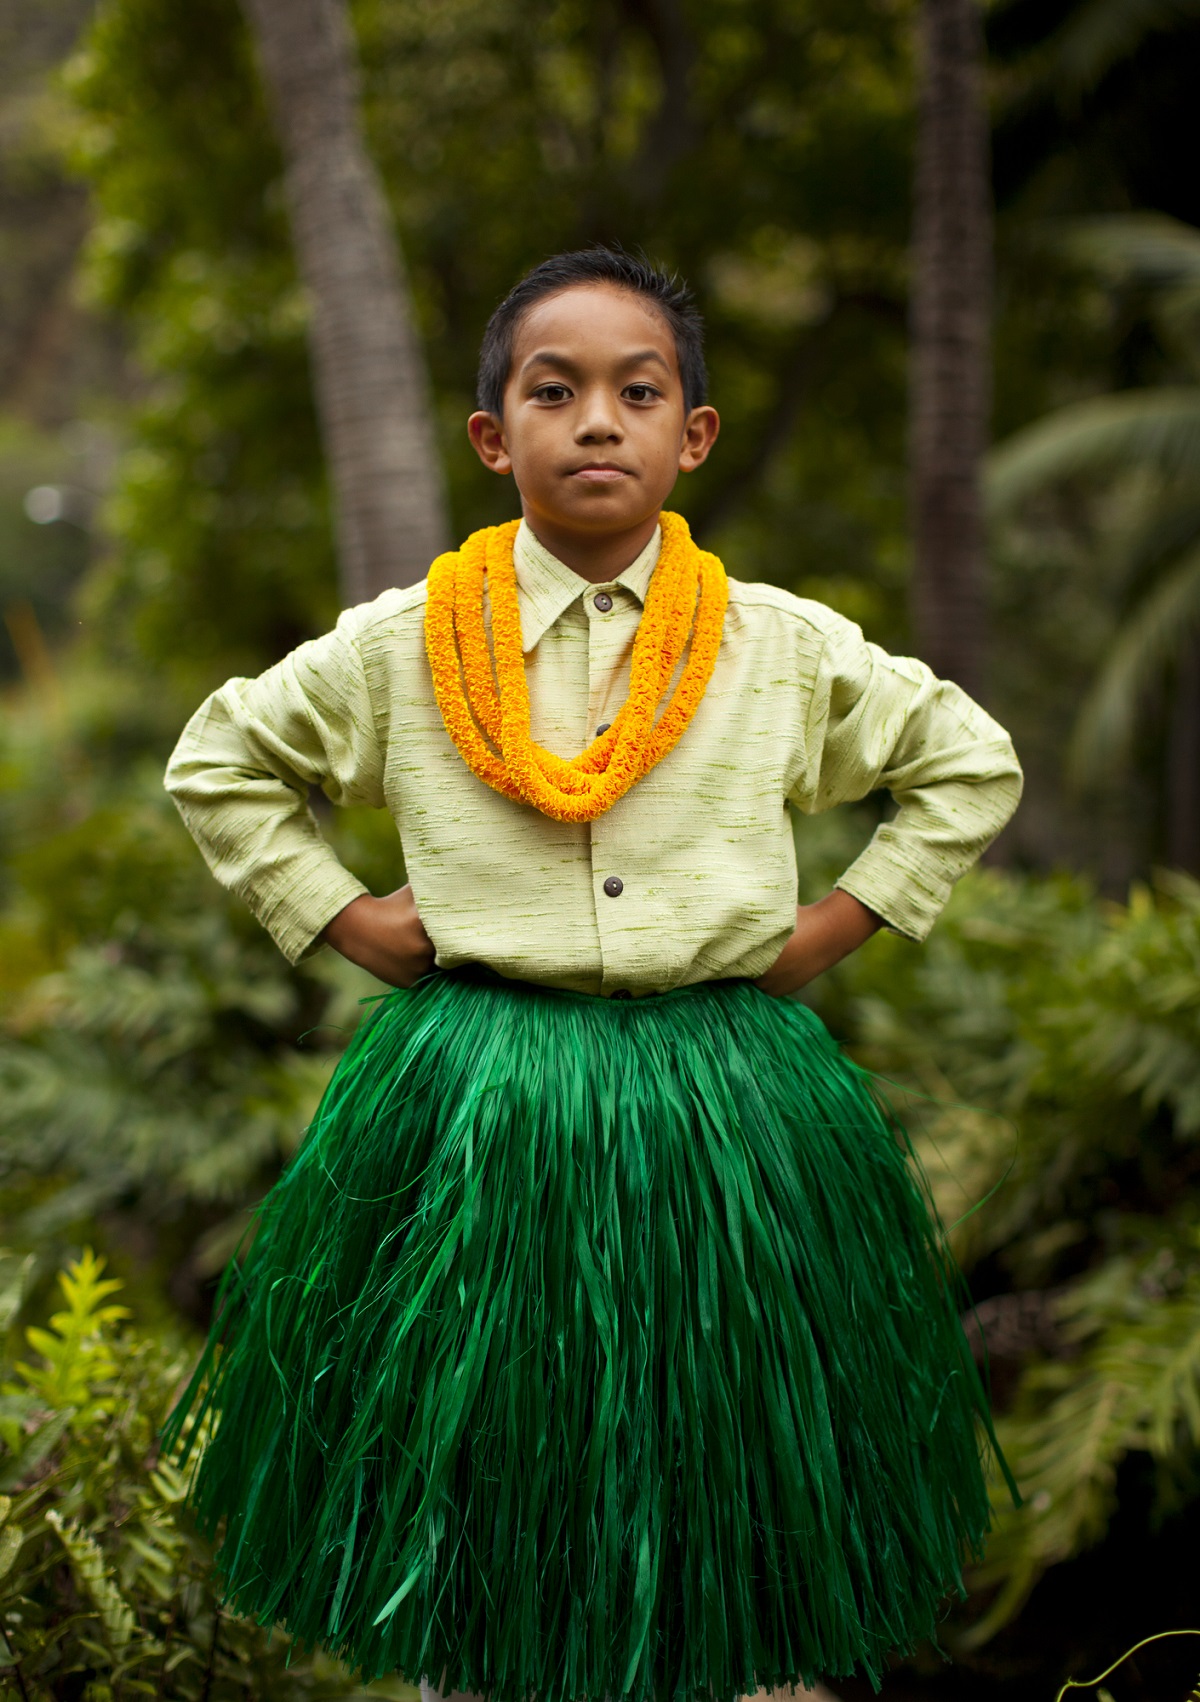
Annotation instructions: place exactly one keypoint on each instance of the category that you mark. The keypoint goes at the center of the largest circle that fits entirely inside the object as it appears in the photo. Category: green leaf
(1148, 642)
(1099, 33)
(12, 1539)
(41, 1443)
(1157, 428)
(87, 1561)
(14, 1279)
(1147, 247)
(1135, 1387)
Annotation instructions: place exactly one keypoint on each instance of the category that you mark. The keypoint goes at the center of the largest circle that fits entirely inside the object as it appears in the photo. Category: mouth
(599, 473)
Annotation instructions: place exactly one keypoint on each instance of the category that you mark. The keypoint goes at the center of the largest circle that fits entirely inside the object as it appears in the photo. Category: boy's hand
(384, 936)
(825, 932)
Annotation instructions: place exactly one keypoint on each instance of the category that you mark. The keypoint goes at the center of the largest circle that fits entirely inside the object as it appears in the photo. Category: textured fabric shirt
(801, 710)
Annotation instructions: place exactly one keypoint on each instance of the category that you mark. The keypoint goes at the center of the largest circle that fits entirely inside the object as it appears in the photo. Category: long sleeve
(888, 721)
(240, 776)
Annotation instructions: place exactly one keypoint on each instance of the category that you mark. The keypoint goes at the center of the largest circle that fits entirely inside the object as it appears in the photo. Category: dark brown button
(603, 728)
(602, 601)
(622, 993)
(614, 886)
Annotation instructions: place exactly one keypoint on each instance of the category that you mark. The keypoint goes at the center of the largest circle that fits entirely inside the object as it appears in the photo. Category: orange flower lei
(487, 715)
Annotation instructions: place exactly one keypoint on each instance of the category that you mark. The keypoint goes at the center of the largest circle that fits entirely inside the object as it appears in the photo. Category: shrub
(106, 1592)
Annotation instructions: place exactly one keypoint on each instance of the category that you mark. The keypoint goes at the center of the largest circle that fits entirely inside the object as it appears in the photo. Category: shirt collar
(546, 587)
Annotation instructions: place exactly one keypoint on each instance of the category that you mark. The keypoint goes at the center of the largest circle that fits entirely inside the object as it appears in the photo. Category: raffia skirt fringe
(593, 1349)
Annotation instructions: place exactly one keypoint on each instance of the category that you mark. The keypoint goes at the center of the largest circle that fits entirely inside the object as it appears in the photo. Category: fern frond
(1155, 428)
(14, 1278)
(1149, 640)
(1149, 248)
(1099, 33)
(43, 1442)
(87, 1563)
(1135, 1387)
(135, 1601)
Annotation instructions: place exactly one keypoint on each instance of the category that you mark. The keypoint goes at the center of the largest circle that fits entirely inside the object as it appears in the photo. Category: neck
(596, 559)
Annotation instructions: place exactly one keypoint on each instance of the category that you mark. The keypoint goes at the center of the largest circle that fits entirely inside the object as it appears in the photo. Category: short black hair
(666, 291)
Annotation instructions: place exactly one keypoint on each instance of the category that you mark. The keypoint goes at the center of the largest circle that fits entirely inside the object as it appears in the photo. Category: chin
(590, 511)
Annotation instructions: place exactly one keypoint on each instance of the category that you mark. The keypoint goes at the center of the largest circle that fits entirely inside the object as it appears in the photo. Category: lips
(599, 474)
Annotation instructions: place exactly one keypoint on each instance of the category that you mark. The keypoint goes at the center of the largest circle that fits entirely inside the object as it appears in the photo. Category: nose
(598, 420)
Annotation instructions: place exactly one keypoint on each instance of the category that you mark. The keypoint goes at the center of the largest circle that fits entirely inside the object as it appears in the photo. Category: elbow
(184, 780)
(1004, 791)
(1013, 782)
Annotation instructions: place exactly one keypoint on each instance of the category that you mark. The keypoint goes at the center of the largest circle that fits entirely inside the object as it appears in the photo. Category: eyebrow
(548, 357)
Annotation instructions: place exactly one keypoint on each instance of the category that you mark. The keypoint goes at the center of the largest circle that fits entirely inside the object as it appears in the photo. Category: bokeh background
(166, 521)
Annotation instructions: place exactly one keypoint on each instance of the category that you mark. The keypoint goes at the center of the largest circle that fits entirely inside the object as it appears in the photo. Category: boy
(596, 1342)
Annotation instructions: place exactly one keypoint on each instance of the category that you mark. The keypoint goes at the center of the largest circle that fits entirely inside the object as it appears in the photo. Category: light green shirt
(800, 710)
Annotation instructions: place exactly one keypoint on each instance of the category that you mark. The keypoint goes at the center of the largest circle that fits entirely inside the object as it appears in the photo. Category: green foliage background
(159, 1061)
(106, 1592)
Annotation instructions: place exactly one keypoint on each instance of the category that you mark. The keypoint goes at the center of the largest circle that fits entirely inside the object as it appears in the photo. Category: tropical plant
(106, 1592)
(1046, 1052)
(501, 134)
(159, 1059)
(1153, 432)
(1087, 40)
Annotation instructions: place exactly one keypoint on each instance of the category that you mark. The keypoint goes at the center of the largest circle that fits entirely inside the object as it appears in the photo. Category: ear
(486, 432)
(699, 434)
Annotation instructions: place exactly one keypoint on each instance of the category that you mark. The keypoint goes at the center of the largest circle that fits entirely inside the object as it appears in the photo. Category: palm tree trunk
(950, 362)
(369, 372)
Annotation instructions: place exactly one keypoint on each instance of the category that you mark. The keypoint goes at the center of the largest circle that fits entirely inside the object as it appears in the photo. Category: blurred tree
(1155, 432)
(1095, 102)
(951, 343)
(221, 553)
(58, 359)
(368, 366)
(1065, 146)
(763, 152)
(43, 218)
(157, 1061)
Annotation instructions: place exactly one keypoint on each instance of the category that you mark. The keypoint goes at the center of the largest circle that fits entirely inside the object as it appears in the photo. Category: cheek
(533, 471)
(662, 450)
(537, 443)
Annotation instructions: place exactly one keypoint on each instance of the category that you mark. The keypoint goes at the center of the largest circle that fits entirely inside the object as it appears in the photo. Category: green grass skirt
(593, 1348)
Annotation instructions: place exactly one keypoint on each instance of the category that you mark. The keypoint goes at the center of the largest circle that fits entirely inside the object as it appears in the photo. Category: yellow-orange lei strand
(487, 715)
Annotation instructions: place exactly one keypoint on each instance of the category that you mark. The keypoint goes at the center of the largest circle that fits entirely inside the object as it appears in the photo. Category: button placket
(613, 616)
(610, 639)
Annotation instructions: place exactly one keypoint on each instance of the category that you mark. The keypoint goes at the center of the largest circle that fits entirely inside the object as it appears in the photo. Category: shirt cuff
(300, 900)
(909, 892)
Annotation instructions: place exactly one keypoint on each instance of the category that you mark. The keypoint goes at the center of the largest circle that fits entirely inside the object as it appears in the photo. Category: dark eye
(551, 392)
(641, 392)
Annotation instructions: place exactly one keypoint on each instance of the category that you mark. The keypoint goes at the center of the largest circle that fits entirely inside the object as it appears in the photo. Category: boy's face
(595, 431)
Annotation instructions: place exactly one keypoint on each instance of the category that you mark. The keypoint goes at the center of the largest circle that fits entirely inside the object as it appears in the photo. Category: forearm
(384, 936)
(825, 933)
(908, 871)
(241, 773)
(261, 842)
(887, 722)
